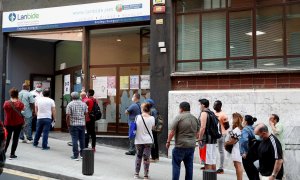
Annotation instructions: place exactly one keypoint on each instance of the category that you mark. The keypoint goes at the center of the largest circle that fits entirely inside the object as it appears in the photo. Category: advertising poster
(111, 86)
(67, 84)
(100, 87)
(145, 81)
(124, 82)
(134, 82)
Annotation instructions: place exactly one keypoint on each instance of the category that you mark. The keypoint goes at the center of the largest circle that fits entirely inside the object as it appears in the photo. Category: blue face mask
(258, 138)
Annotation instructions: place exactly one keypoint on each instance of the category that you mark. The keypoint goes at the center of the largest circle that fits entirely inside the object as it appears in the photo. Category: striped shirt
(77, 109)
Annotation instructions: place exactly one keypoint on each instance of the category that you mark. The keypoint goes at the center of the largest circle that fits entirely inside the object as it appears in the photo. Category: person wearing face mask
(132, 111)
(36, 93)
(270, 154)
(245, 143)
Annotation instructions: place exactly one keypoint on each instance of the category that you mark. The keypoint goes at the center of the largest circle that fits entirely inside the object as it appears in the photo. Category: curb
(39, 172)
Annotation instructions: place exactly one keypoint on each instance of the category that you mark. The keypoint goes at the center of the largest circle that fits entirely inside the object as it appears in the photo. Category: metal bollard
(88, 162)
(209, 175)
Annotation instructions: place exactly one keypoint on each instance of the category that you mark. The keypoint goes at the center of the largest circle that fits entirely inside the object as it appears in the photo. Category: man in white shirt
(45, 110)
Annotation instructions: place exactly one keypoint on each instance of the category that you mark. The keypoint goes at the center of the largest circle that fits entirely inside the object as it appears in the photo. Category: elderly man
(76, 115)
(277, 129)
(269, 154)
(27, 99)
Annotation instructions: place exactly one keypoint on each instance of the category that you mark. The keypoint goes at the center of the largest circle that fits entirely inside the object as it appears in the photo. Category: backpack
(159, 123)
(96, 112)
(213, 127)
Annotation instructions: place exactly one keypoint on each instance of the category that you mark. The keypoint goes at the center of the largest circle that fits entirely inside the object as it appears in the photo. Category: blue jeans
(27, 129)
(131, 142)
(187, 156)
(77, 134)
(42, 126)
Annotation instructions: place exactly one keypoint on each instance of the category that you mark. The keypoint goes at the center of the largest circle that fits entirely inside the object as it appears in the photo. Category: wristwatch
(273, 175)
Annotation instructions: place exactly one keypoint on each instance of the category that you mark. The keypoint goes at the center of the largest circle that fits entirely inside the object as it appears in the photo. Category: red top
(90, 103)
(12, 118)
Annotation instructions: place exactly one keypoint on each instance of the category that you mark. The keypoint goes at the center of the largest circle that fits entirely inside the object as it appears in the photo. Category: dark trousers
(77, 134)
(154, 149)
(10, 130)
(42, 126)
(187, 156)
(250, 169)
(90, 128)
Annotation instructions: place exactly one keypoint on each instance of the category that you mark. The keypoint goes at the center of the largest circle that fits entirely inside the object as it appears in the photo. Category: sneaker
(12, 157)
(74, 158)
(94, 149)
(136, 176)
(146, 177)
(220, 171)
(34, 145)
(23, 141)
(46, 148)
(29, 141)
(130, 153)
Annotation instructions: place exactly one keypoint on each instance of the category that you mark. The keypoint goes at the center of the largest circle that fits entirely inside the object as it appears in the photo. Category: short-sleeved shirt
(27, 99)
(269, 151)
(77, 109)
(44, 105)
(142, 136)
(134, 110)
(12, 118)
(279, 134)
(185, 127)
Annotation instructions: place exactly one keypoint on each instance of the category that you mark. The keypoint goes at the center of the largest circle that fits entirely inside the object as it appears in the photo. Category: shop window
(214, 65)
(213, 35)
(183, 6)
(293, 29)
(188, 66)
(240, 3)
(270, 63)
(188, 40)
(294, 62)
(240, 34)
(269, 31)
(241, 64)
(124, 42)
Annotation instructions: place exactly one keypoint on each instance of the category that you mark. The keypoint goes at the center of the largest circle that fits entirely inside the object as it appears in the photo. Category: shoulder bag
(148, 131)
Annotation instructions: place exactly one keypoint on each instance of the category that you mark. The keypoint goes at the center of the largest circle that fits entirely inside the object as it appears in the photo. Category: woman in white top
(235, 134)
(143, 140)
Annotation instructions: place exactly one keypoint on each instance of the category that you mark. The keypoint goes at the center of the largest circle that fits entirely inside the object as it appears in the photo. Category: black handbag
(228, 147)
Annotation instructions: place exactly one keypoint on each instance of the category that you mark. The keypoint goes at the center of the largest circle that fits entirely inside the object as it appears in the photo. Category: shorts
(211, 154)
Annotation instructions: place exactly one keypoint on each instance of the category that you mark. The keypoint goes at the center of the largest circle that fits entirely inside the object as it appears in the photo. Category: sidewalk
(110, 163)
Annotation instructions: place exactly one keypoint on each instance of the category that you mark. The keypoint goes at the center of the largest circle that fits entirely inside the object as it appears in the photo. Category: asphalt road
(6, 176)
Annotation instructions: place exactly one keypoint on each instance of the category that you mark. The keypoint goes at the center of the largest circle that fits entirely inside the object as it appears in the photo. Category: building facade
(245, 53)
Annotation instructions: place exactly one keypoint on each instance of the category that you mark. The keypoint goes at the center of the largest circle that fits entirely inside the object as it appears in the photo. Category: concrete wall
(259, 103)
(27, 56)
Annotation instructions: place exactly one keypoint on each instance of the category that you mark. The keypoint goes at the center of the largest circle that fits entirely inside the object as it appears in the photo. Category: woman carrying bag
(13, 120)
(232, 146)
(143, 140)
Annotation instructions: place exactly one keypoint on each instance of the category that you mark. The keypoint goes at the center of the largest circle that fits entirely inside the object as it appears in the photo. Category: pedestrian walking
(76, 114)
(184, 128)
(277, 129)
(205, 137)
(27, 99)
(270, 154)
(144, 140)
(13, 121)
(90, 124)
(223, 120)
(235, 134)
(46, 114)
(132, 111)
(154, 148)
(245, 143)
